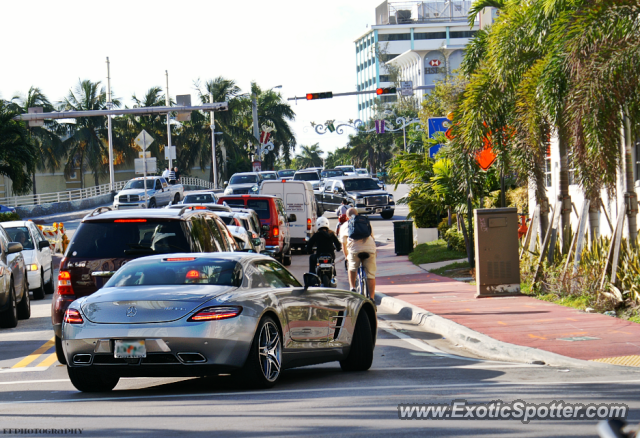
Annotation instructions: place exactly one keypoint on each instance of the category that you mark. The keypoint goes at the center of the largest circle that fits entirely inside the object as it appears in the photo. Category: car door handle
(102, 273)
(305, 330)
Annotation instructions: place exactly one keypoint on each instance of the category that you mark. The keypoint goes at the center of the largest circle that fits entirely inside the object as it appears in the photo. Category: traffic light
(391, 90)
(314, 96)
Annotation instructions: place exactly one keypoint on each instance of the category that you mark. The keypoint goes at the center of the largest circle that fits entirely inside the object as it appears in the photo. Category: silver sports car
(206, 314)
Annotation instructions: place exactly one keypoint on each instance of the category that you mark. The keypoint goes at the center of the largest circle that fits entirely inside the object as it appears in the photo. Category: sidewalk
(520, 321)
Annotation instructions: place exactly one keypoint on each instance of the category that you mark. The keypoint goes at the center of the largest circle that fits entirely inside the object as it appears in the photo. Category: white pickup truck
(159, 193)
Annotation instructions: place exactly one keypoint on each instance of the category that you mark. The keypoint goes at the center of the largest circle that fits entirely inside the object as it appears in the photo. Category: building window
(394, 37)
(547, 167)
(385, 78)
(430, 36)
(359, 107)
(465, 34)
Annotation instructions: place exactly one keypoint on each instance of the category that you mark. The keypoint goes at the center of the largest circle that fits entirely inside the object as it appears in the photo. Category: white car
(362, 172)
(37, 256)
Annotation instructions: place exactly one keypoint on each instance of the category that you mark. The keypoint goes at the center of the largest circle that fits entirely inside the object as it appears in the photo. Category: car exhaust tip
(82, 359)
(191, 357)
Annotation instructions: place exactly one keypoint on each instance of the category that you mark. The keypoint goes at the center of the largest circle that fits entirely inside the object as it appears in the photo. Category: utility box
(497, 259)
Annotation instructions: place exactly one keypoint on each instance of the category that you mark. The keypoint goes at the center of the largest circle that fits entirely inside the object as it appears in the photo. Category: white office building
(424, 39)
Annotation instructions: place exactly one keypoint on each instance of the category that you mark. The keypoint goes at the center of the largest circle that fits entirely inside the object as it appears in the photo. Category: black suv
(106, 240)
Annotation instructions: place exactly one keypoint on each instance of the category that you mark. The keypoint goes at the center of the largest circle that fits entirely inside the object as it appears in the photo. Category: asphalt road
(410, 365)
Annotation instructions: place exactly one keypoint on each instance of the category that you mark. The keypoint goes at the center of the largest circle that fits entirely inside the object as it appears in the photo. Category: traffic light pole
(355, 93)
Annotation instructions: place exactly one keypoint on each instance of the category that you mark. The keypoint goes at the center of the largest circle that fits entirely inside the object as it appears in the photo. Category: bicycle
(361, 276)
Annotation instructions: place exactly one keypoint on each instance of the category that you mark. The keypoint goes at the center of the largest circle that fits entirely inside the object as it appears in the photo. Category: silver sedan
(206, 314)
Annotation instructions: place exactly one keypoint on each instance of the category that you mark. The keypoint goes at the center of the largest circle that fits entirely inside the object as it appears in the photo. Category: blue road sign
(437, 124)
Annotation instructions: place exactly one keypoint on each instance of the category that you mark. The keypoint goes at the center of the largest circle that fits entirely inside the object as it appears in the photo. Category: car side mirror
(267, 253)
(226, 183)
(310, 280)
(292, 218)
(43, 244)
(256, 242)
(14, 247)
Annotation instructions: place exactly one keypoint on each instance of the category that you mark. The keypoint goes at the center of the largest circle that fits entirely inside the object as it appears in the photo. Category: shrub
(455, 240)
(427, 220)
(9, 216)
(443, 226)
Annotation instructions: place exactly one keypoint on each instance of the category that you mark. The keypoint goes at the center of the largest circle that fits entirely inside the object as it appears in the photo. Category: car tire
(319, 211)
(59, 352)
(24, 307)
(387, 214)
(38, 294)
(286, 259)
(326, 281)
(9, 317)
(89, 380)
(48, 287)
(176, 198)
(360, 355)
(152, 203)
(258, 369)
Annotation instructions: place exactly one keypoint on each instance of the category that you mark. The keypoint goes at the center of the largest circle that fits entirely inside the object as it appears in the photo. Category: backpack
(359, 227)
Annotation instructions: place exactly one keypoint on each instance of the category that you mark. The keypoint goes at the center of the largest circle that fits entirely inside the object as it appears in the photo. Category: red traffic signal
(390, 90)
(314, 96)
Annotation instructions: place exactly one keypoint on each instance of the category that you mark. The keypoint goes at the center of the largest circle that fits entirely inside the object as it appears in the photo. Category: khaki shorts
(369, 264)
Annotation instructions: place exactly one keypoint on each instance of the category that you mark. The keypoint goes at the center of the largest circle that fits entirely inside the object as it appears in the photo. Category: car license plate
(378, 210)
(326, 265)
(130, 349)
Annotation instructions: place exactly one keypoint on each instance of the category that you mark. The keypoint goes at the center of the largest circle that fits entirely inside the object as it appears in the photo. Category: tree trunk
(630, 197)
(449, 216)
(563, 189)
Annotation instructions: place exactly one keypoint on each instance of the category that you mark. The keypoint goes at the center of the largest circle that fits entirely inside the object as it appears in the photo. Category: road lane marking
(33, 356)
(48, 361)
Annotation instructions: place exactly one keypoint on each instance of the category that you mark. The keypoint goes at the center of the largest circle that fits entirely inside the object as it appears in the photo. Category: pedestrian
(353, 244)
(343, 207)
(177, 174)
(166, 172)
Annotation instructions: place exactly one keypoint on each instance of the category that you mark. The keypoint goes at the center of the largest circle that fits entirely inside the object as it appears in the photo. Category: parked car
(251, 222)
(220, 313)
(273, 219)
(6, 209)
(362, 172)
(311, 176)
(159, 193)
(331, 173)
(347, 169)
(15, 302)
(269, 175)
(37, 256)
(300, 201)
(105, 240)
(362, 193)
(199, 197)
(243, 183)
(286, 174)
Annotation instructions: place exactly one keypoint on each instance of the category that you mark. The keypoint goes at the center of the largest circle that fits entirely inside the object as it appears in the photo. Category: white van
(298, 199)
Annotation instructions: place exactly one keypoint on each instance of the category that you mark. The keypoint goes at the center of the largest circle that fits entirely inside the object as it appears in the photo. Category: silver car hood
(145, 304)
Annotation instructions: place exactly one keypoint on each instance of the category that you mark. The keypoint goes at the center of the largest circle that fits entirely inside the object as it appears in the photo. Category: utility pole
(112, 184)
(256, 131)
(168, 103)
(213, 147)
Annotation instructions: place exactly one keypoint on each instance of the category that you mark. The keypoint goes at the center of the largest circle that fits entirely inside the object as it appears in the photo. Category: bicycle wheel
(361, 281)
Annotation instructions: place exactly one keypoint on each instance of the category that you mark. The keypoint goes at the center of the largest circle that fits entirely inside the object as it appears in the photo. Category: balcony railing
(409, 12)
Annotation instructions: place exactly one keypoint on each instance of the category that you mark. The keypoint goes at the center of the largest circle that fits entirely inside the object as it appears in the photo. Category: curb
(479, 343)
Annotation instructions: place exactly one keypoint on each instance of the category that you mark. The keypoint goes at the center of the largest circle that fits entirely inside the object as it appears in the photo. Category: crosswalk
(41, 359)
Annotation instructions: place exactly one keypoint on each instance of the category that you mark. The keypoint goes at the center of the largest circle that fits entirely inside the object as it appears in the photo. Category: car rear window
(128, 239)
(307, 176)
(203, 198)
(235, 202)
(178, 270)
(260, 206)
(20, 235)
(243, 179)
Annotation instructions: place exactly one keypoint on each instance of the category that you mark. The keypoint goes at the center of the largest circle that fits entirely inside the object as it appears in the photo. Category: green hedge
(455, 240)
(9, 216)
(443, 226)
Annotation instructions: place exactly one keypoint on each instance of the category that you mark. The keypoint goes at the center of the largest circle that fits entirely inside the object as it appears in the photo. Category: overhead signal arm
(378, 91)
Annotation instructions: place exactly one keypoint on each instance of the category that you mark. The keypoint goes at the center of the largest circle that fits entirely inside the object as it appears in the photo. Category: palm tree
(309, 156)
(87, 142)
(45, 139)
(18, 155)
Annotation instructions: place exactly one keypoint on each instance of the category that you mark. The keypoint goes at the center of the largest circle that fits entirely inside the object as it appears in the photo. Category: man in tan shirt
(352, 248)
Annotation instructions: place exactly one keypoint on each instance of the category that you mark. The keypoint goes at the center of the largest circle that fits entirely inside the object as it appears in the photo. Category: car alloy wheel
(38, 294)
(270, 349)
(9, 318)
(24, 308)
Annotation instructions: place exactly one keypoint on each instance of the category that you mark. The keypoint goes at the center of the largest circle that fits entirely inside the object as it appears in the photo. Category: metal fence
(89, 192)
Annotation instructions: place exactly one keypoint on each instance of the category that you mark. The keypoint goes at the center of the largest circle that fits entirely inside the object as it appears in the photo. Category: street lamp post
(168, 103)
(213, 147)
(112, 185)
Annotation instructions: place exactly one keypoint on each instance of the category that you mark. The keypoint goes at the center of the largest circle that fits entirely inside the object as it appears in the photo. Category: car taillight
(216, 313)
(308, 224)
(275, 231)
(64, 283)
(72, 316)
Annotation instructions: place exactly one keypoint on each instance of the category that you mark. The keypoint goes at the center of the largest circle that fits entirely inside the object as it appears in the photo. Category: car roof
(142, 213)
(199, 192)
(267, 171)
(11, 224)
(245, 173)
(307, 171)
(209, 205)
(350, 177)
(236, 256)
(249, 196)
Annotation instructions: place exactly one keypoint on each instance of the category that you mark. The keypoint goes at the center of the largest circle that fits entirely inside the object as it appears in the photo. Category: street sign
(37, 122)
(146, 154)
(437, 124)
(183, 100)
(169, 153)
(143, 140)
(140, 165)
(406, 88)
(257, 166)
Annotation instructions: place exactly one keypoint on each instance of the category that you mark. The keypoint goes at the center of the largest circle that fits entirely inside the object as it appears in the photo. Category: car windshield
(354, 185)
(348, 169)
(306, 176)
(331, 173)
(261, 206)
(200, 198)
(137, 184)
(178, 270)
(127, 238)
(361, 172)
(271, 176)
(20, 235)
(286, 173)
(243, 179)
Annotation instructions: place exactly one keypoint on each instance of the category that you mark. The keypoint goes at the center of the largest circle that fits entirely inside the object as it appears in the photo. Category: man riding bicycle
(353, 247)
